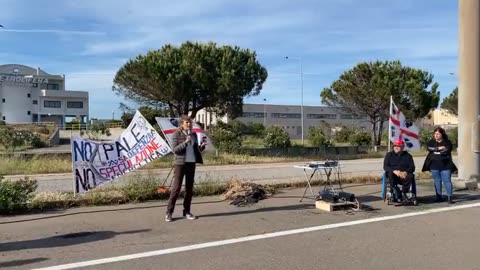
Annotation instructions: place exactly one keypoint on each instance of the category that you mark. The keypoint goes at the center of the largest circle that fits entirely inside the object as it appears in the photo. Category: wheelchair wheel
(414, 201)
(388, 197)
(356, 205)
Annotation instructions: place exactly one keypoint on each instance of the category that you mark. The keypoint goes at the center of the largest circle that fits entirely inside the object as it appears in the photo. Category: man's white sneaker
(189, 216)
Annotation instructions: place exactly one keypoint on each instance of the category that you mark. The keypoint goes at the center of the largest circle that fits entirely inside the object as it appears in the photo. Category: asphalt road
(276, 233)
(264, 173)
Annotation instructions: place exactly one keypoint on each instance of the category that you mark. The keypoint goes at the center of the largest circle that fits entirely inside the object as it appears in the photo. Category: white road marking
(251, 238)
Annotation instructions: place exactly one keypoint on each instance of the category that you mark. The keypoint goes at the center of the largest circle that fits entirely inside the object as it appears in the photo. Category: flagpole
(390, 123)
(73, 167)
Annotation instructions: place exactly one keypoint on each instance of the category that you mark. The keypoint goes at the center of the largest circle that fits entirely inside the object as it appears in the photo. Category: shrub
(113, 122)
(126, 119)
(97, 129)
(15, 195)
(9, 139)
(105, 197)
(384, 136)
(344, 134)
(43, 130)
(36, 142)
(317, 137)
(141, 189)
(49, 200)
(361, 137)
(209, 188)
(29, 138)
(255, 129)
(326, 127)
(276, 137)
(453, 135)
(236, 127)
(425, 136)
(225, 139)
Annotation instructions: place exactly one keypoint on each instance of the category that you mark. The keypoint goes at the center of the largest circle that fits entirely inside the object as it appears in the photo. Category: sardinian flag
(171, 125)
(402, 129)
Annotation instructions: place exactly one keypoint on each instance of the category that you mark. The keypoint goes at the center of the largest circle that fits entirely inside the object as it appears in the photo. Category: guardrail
(34, 123)
(86, 126)
(74, 126)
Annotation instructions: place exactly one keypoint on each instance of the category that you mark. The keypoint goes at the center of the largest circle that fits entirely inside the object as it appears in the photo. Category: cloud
(244, 30)
(89, 40)
(99, 85)
(52, 31)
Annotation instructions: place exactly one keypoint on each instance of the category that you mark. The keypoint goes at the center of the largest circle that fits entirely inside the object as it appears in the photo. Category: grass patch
(209, 188)
(53, 200)
(41, 164)
(35, 165)
(252, 142)
(138, 189)
(142, 188)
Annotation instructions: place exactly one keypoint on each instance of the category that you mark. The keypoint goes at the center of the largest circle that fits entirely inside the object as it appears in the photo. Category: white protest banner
(170, 125)
(95, 162)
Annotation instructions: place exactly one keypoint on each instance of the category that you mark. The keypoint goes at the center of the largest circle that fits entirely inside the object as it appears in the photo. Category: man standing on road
(187, 152)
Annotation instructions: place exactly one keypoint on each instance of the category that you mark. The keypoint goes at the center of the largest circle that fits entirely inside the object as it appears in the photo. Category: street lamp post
(468, 92)
(301, 86)
(265, 112)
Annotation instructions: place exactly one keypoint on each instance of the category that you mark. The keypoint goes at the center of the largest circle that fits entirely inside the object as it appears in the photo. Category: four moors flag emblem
(403, 129)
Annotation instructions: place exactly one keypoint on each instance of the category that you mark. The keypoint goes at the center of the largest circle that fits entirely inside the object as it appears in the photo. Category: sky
(89, 41)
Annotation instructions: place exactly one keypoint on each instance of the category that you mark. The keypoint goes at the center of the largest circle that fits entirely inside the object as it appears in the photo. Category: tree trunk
(380, 131)
(374, 131)
(179, 112)
(172, 112)
(185, 108)
(194, 112)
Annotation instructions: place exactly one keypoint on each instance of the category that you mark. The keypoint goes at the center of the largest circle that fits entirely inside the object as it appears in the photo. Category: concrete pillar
(468, 93)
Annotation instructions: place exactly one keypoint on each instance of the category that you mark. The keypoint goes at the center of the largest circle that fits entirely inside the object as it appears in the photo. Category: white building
(32, 95)
(289, 117)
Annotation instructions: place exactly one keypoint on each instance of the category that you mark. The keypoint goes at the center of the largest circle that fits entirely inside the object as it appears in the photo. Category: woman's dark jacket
(439, 159)
(179, 147)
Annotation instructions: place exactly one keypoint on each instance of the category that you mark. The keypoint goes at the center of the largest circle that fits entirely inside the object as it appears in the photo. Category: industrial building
(32, 95)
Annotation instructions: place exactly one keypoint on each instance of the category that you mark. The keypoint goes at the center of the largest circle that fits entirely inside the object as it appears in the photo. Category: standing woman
(187, 150)
(439, 162)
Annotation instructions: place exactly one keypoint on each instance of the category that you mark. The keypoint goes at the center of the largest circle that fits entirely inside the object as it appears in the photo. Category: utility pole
(468, 93)
(265, 112)
(299, 58)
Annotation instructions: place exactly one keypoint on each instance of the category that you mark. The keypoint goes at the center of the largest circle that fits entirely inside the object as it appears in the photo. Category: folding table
(320, 169)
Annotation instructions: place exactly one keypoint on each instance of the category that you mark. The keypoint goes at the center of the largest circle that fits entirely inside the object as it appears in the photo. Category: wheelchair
(391, 197)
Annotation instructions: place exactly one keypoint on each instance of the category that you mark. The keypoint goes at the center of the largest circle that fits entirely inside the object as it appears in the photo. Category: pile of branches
(244, 193)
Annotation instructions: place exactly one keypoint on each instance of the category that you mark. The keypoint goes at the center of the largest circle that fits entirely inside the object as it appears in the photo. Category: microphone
(189, 134)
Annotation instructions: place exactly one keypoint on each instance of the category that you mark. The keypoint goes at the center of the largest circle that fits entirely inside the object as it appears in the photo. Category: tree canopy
(148, 112)
(366, 89)
(450, 103)
(191, 77)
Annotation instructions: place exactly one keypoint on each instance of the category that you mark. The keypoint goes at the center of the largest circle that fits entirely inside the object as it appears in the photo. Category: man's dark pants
(187, 170)
(394, 180)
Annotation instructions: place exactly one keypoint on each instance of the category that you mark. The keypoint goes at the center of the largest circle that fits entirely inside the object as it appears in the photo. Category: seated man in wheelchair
(399, 168)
